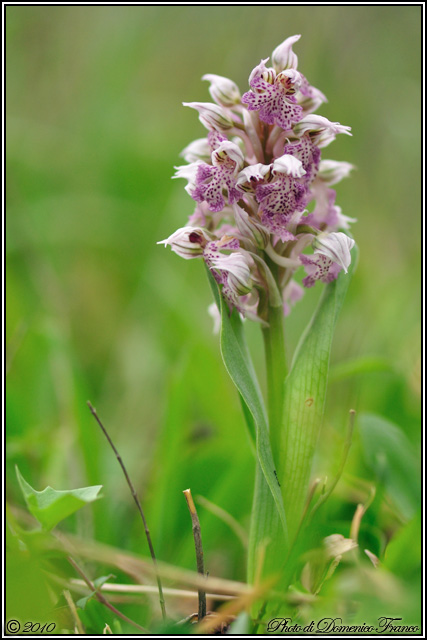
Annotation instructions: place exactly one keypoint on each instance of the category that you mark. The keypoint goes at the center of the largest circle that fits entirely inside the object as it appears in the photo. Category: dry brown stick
(199, 549)
(101, 598)
(77, 622)
(139, 507)
(141, 589)
(139, 568)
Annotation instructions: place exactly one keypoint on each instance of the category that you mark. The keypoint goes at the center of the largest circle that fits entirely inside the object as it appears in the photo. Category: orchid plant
(265, 210)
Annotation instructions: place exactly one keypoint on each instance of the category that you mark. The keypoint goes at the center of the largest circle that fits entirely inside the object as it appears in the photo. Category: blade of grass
(139, 507)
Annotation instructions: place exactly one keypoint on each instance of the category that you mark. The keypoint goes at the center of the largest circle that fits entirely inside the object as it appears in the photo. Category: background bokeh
(96, 310)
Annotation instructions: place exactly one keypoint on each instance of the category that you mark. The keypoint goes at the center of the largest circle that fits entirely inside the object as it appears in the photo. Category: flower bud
(250, 228)
(236, 266)
(332, 171)
(212, 116)
(336, 246)
(322, 130)
(261, 71)
(224, 91)
(311, 102)
(283, 57)
(198, 150)
(188, 242)
(188, 172)
(225, 152)
(343, 222)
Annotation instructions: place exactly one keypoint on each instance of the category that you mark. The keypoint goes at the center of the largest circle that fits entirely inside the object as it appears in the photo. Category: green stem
(275, 360)
(266, 535)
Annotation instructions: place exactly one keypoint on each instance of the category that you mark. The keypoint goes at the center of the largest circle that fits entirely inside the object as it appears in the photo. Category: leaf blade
(239, 366)
(305, 394)
(390, 455)
(49, 506)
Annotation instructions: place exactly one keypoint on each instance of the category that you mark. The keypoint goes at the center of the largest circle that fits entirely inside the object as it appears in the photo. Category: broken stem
(199, 549)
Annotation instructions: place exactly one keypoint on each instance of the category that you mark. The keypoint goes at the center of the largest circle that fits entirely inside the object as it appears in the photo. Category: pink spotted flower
(273, 95)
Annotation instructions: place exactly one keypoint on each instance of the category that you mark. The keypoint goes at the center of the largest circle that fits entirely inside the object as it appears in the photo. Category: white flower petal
(290, 165)
(336, 246)
(283, 57)
(225, 92)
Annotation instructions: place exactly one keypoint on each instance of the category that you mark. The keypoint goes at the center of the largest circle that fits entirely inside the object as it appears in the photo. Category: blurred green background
(96, 310)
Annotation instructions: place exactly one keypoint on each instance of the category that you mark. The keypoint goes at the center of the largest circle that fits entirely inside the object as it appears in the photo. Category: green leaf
(250, 422)
(240, 626)
(236, 357)
(359, 366)
(50, 507)
(403, 553)
(391, 457)
(94, 616)
(102, 580)
(81, 604)
(98, 584)
(305, 393)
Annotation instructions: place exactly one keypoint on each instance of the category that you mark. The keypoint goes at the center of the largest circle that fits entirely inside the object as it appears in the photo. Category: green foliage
(358, 366)
(50, 506)
(241, 626)
(403, 553)
(94, 616)
(237, 361)
(305, 395)
(37, 604)
(391, 457)
(98, 584)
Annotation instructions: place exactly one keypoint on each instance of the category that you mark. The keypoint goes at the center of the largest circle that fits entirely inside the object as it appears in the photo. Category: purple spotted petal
(284, 196)
(210, 182)
(215, 138)
(209, 188)
(274, 106)
(275, 102)
(276, 225)
(309, 91)
(319, 267)
(308, 153)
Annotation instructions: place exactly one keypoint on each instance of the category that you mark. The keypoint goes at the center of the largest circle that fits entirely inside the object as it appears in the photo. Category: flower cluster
(262, 191)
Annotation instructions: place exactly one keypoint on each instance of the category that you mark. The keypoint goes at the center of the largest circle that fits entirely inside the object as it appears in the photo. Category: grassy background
(96, 310)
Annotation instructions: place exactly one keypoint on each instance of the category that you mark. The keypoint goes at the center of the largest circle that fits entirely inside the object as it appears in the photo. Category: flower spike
(262, 190)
